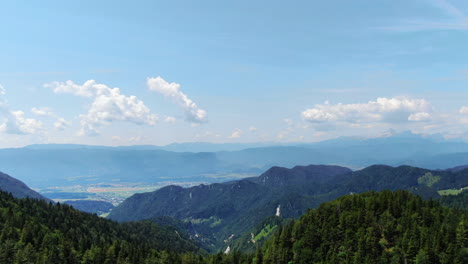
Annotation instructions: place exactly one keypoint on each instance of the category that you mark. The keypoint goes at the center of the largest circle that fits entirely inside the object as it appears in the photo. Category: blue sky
(230, 71)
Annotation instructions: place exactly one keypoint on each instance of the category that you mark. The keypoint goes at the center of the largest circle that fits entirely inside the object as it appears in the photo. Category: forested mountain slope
(17, 188)
(35, 231)
(223, 212)
(218, 211)
(386, 227)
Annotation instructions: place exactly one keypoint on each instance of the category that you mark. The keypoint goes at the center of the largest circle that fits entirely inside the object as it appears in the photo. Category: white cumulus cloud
(15, 122)
(88, 89)
(42, 111)
(172, 90)
(108, 105)
(60, 122)
(237, 133)
(170, 119)
(420, 117)
(387, 110)
(464, 110)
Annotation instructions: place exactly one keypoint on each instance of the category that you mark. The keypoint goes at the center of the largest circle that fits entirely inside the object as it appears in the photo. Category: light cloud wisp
(172, 90)
(15, 122)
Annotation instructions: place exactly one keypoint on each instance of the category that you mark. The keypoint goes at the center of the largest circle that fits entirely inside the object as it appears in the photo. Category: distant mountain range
(174, 147)
(17, 188)
(64, 165)
(222, 212)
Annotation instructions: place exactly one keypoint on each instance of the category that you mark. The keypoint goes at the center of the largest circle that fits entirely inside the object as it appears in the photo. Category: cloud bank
(387, 110)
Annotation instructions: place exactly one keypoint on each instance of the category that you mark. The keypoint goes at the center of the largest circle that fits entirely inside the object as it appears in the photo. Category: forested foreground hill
(385, 227)
(34, 231)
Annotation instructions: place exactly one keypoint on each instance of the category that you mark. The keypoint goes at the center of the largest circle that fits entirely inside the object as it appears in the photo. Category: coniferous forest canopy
(36, 231)
(373, 227)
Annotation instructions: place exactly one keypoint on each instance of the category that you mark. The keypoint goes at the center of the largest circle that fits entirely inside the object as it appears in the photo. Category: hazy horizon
(387, 134)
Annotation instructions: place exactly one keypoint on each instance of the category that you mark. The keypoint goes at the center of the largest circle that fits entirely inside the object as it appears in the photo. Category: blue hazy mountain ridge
(173, 147)
(219, 210)
(89, 165)
(212, 147)
(60, 165)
